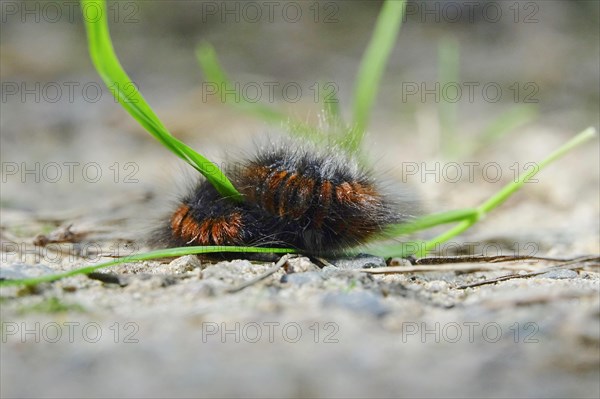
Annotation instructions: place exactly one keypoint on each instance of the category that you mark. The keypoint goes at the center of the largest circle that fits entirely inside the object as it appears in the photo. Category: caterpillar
(315, 200)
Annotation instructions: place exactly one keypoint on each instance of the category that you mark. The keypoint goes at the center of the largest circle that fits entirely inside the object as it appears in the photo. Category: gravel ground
(180, 328)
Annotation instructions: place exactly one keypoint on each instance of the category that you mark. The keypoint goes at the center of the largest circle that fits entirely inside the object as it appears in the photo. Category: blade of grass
(371, 69)
(422, 223)
(214, 74)
(468, 217)
(448, 74)
(401, 250)
(163, 253)
(505, 123)
(436, 219)
(118, 82)
(508, 190)
(331, 105)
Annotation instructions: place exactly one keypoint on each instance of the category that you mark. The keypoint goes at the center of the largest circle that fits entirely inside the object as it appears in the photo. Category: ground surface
(173, 328)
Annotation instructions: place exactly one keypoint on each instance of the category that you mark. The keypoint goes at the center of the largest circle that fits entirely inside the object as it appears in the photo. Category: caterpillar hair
(315, 200)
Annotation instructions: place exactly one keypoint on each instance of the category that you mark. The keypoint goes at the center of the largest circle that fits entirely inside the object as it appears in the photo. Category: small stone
(142, 279)
(560, 274)
(362, 302)
(147, 281)
(300, 265)
(184, 264)
(201, 289)
(360, 261)
(22, 270)
(436, 286)
(109, 278)
(400, 262)
(302, 278)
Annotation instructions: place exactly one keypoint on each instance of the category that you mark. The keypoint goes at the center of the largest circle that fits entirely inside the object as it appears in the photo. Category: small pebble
(560, 274)
(302, 278)
(361, 301)
(400, 262)
(360, 261)
(201, 288)
(436, 286)
(22, 270)
(142, 279)
(184, 264)
(300, 265)
(148, 282)
(109, 278)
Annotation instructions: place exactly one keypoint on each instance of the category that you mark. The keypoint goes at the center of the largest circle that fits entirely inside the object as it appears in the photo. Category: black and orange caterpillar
(295, 196)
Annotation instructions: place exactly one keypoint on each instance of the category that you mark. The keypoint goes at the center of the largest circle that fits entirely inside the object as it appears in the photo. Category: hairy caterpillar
(296, 196)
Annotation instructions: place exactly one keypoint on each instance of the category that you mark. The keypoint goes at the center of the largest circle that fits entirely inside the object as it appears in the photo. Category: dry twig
(571, 265)
(280, 263)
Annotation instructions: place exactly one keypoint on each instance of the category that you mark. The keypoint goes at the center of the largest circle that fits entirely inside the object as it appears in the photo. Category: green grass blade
(512, 187)
(401, 250)
(214, 74)
(118, 82)
(507, 122)
(163, 253)
(508, 190)
(442, 238)
(331, 105)
(448, 75)
(465, 217)
(436, 219)
(372, 67)
(422, 223)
